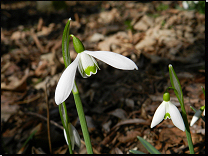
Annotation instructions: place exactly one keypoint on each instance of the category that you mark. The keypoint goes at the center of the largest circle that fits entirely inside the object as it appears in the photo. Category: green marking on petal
(90, 69)
(167, 115)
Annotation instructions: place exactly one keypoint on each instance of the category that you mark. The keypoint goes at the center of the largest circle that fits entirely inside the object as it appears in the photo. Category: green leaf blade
(136, 152)
(175, 84)
(148, 146)
(65, 44)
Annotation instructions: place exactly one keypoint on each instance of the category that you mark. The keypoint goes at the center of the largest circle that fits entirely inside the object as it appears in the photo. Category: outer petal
(113, 59)
(159, 114)
(76, 136)
(66, 81)
(196, 117)
(175, 116)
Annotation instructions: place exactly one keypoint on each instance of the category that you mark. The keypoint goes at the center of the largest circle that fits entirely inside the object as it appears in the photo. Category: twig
(59, 126)
(44, 118)
(48, 119)
(37, 42)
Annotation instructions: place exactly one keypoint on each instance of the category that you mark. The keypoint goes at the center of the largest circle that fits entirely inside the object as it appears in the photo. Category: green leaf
(136, 152)
(203, 90)
(175, 84)
(30, 137)
(148, 146)
(65, 44)
(65, 121)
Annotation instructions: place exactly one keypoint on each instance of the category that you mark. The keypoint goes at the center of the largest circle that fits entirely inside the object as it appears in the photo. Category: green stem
(179, 93)
(188, 134)
(65, 121)
(82, 119)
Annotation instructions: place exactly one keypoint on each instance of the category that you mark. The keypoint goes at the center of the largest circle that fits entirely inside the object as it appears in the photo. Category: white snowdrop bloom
(74, 136)
(170, 111)
(196, 116)
(87, 66)
(185, 5)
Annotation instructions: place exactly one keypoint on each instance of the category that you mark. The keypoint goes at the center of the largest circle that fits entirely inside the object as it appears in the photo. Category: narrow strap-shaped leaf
(136, 152)
(148, 146)
(203, 90)
(175, 83)
(65, 121)
(65, 44)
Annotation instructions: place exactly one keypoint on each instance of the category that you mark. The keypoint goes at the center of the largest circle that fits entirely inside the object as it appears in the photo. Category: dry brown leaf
(16, 84)
(130, 136)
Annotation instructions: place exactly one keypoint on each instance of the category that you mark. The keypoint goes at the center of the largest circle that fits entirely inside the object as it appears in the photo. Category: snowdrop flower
(197, 115)
(185, 4)
(74, 136)
(168, 110)
(87, 66)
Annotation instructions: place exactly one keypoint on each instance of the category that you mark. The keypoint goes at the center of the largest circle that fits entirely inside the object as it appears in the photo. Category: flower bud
(78, 46)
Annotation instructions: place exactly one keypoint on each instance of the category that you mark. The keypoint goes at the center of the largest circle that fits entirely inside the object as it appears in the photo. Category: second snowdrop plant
(87, 66)
(168, 110)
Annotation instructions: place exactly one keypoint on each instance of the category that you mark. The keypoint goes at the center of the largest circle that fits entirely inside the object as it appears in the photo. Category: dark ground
(119, 105)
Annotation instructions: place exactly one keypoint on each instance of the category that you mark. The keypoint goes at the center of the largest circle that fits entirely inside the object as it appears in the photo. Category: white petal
(76, 136)
(196, 117)
(113, 59)
(71, 136)
(204, 112)
(65, 137)
(66, 81)
(175, 116)
(159, 114)
(185, 5)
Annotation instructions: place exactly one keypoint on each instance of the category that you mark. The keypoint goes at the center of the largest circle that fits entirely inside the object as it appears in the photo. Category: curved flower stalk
(197, 115)
(170, 111)
(74, 136)
(87, 66)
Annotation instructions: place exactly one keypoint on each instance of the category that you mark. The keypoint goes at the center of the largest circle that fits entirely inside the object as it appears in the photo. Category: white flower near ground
(185, 5)
(170, 111)
(74, 136)
(87, 66)
(196, 116)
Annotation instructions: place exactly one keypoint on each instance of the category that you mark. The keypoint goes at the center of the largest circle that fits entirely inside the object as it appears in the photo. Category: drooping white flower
(196, 116)
(74, 136)
(87, 66)
(168, 110)
(185, 4)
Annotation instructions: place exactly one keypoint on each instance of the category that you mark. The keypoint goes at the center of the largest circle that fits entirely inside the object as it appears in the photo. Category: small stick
(57, 125)
(48, 119)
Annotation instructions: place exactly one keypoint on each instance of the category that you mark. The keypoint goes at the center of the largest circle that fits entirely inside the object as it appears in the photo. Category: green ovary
(89, 69)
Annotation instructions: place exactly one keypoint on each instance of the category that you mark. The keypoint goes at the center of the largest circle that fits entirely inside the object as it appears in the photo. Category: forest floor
(119, 105)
